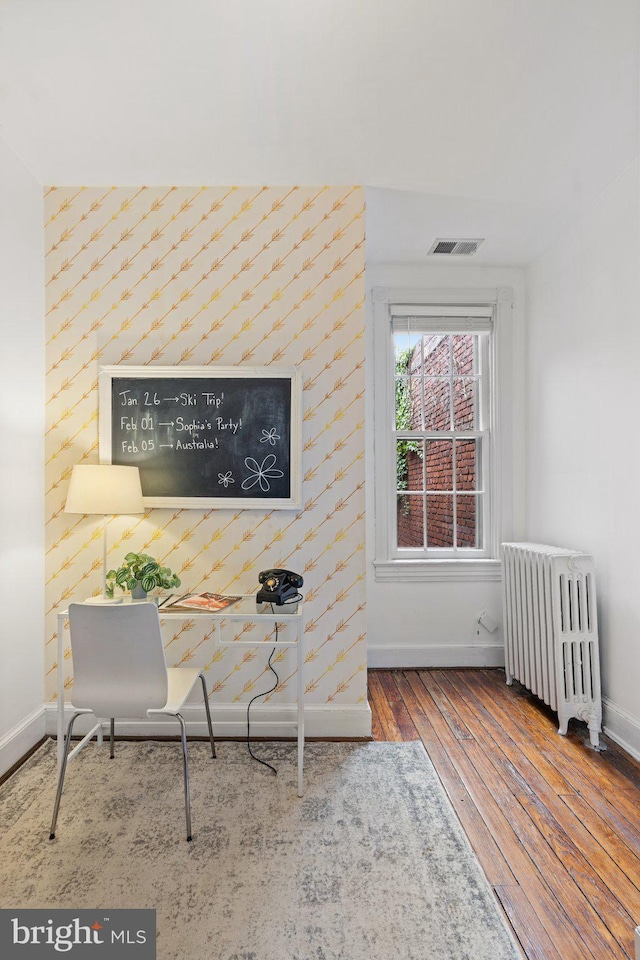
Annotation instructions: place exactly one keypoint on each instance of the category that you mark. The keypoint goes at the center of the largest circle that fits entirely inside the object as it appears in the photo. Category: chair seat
(181, 682)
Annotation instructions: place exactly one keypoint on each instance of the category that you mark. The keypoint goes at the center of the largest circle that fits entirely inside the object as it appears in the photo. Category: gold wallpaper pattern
(228, 276)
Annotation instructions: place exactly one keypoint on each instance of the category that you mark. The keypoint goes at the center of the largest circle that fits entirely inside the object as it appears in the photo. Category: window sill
(437, 570)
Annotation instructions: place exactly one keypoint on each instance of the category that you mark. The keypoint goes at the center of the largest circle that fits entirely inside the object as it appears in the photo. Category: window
(441, 437)
(442, 505)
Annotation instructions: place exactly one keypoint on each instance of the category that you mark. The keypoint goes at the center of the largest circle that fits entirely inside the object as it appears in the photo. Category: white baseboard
(230, 720)
(621, 726)
(396, 655)
(20, 739)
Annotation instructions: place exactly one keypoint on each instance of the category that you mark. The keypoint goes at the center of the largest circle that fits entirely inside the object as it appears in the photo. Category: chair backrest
(118, 659)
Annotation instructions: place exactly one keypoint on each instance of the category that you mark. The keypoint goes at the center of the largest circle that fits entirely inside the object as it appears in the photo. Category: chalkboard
(205, 436)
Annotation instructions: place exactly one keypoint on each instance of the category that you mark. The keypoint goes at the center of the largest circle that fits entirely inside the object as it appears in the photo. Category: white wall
(22, 463)
(583, 403)
(435, 623)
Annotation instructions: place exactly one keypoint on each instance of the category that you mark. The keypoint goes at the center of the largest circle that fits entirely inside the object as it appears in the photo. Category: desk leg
(300, 710)
(60, 704)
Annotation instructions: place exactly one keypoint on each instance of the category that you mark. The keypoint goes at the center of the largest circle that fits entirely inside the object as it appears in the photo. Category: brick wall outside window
(435, 464)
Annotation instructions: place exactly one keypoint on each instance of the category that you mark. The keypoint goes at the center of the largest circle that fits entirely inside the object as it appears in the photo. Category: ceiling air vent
(454, 248)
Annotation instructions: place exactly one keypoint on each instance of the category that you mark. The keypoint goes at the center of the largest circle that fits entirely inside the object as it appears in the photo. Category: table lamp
(105, 489)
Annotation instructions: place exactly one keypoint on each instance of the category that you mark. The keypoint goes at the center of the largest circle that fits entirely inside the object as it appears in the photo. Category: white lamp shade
(104, 488)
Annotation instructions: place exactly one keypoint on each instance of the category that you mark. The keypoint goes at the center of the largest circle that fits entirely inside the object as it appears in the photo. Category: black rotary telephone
(278, 586)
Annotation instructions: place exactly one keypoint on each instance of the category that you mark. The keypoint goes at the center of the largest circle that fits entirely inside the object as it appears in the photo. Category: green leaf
(148, 583)
(122, 575)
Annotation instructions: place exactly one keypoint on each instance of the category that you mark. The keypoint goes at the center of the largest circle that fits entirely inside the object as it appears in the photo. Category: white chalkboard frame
(106, 376)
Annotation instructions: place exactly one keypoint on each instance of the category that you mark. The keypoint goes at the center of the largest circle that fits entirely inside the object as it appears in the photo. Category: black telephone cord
(267, 692)
(257, 697)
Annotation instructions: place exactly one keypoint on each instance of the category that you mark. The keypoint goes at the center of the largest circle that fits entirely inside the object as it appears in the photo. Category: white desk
(243, 610)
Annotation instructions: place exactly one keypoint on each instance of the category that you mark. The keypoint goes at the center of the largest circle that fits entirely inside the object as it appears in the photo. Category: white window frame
(472, 564)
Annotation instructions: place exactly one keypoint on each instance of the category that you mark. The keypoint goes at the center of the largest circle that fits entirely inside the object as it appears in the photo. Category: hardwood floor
(554, 823)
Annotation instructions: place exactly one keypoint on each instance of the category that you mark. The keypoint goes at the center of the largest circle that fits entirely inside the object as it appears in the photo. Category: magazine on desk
(210, 602)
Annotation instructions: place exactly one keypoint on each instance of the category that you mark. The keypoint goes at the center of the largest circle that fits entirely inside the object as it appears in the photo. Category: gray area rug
(371, 864)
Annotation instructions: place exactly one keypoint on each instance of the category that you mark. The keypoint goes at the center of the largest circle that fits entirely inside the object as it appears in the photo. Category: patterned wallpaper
(229, 276)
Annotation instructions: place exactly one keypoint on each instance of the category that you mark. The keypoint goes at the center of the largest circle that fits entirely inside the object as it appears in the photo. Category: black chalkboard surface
(205, 436)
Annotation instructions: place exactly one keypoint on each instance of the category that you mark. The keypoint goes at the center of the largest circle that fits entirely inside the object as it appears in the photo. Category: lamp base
(103, 600)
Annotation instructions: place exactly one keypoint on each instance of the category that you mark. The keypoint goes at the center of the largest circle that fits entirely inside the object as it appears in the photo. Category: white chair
(120, 672)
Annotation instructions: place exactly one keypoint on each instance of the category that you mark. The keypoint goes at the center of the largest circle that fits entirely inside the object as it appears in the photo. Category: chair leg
(208, 711)
(63, 770)
(185, 765)
(112, 731)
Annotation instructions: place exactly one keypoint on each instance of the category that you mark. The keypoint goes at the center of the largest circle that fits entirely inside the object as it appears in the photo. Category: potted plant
(140, 573)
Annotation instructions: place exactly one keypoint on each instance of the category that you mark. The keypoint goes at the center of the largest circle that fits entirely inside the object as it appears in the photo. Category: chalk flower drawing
(269, 436)
(261, 473)
(225, 478)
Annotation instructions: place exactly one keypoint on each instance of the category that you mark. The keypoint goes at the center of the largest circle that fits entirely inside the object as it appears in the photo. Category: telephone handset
(278, 586)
